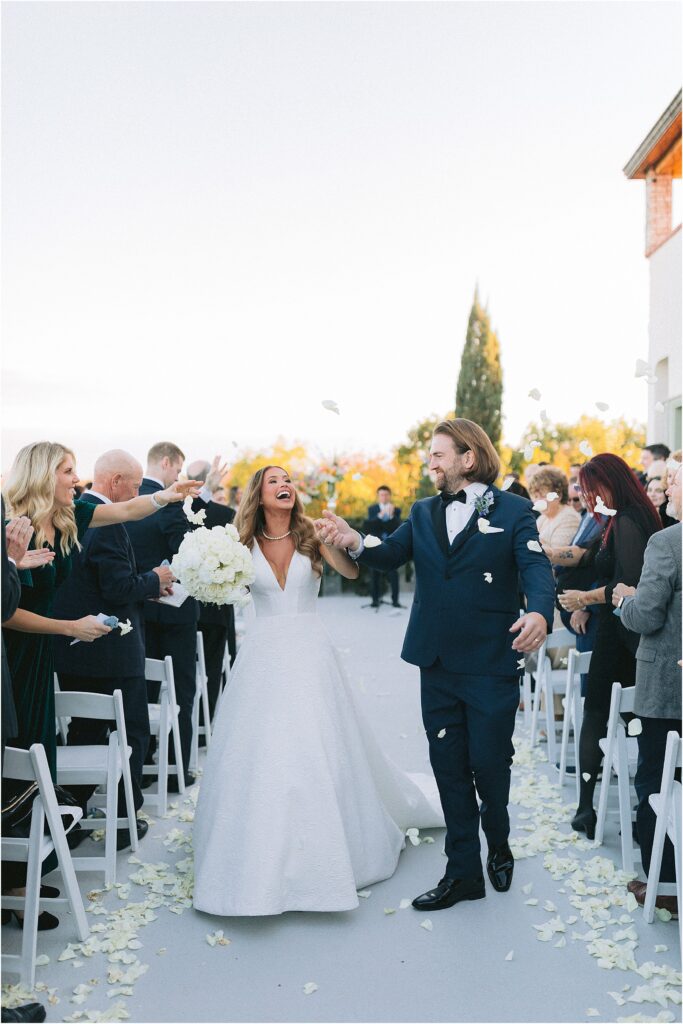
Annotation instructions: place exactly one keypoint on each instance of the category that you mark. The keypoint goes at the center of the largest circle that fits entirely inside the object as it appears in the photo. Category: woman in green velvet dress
(42, 486)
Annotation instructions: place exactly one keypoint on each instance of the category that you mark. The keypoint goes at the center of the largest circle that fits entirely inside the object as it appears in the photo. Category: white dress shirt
(458, 513)
(96, 494)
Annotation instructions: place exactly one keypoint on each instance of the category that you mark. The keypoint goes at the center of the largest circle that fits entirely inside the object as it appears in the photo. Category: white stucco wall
(665, 339)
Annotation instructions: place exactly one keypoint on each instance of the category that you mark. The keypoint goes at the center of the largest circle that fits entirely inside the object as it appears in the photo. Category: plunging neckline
(289, 566)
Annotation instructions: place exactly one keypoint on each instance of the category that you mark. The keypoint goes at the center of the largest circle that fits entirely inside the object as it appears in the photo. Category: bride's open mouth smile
(283, 495)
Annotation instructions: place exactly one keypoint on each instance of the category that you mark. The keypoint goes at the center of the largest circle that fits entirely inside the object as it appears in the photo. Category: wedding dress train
(298, 806)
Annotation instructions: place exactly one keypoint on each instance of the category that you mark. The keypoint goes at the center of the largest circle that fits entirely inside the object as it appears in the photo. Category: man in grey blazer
(653, 609)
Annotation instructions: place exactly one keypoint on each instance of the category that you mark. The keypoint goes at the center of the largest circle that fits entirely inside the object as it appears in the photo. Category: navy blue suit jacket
(104, 578)
(154, 539)
(457, 616)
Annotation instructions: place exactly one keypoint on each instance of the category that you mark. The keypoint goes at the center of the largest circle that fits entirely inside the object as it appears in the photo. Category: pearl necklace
(268, 537)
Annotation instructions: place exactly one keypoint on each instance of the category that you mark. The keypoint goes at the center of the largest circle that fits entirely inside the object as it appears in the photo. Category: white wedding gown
(298, 806)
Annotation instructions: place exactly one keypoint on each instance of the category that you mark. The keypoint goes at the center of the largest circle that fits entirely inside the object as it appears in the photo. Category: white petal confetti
(663, 914)
(642, 368)
(552, 496)
(635, 727)
(404, 904)
(535, 394)
(658, 949)
(125, 627)
(413, 835)
(533, 902)
(193, 517)
(371, 542)
(533, 545)
(427, 925)
(309, 988)
(330, 405)
(510, 955)
(592, 1012)
(507, 483)
(488, 578)
(440, 734)
(540, 505)
(365, 894)
(389, 910)
(521, 663)
(526, 889)
(586, 449)
(603, 509)
(586, 776)
(602, 406)
(631, 902)
(43, 960)
(561, 942)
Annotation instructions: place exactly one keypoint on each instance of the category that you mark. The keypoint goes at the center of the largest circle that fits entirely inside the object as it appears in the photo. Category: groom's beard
(450, 482)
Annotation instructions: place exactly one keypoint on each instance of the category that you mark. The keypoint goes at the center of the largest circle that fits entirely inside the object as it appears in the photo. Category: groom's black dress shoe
(450, 891)
(500, 864)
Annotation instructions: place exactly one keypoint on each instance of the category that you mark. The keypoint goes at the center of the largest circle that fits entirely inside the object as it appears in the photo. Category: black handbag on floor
(17, 809)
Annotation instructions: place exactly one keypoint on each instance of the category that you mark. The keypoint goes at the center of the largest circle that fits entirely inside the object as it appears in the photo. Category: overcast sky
(217, 215)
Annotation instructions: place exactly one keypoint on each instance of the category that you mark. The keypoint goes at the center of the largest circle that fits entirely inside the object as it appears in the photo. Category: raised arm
(389, 554)
(340, 561)
(145, 505)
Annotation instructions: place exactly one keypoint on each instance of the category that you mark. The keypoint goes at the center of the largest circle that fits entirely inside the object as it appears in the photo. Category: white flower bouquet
(214, 567)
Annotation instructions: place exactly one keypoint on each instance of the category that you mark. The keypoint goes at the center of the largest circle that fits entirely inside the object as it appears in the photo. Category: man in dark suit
(472, 544)
(383, 520)
(104, 578)
(216, 622)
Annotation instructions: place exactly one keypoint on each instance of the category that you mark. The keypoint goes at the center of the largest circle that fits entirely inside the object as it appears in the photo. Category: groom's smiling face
(448, 465)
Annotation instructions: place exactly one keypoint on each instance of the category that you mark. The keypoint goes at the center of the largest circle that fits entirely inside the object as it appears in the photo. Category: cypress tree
(479, 393)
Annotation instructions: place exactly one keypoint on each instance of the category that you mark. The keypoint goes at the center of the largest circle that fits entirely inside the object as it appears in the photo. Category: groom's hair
(469, 436)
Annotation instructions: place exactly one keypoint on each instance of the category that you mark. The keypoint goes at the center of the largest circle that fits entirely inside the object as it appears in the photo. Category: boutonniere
(483, 504)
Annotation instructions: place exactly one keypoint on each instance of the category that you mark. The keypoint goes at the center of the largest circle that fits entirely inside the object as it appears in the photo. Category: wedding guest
(235, 498)
(41, 486)
(653, 611)
(574, 499)
(574, 471)
(104, 578)
(619, 559)
(656, 492)
(219, 496)
(216, 623)
(530, 472)
(168, 630)
(383, 520)
(648, 455)
(558, 521)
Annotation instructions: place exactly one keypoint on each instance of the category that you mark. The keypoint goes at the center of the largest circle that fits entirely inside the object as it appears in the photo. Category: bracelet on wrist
(157, 504)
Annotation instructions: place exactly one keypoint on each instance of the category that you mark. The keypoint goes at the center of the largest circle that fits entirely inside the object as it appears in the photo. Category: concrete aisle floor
(369, 965)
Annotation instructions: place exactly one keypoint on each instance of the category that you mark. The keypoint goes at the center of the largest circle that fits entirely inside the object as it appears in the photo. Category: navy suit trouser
(472, 757)
(180, 641)
(648, 780)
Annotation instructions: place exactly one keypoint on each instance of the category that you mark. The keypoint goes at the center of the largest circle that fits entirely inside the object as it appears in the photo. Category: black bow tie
(447, 497)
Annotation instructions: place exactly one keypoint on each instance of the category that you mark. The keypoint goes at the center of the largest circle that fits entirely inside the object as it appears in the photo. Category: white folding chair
(577, 665)
(31, 766)
(667, 806)
(201, 696)
(62, 720)
(163, 720)
(99, 764)
(550, 681)
(621, 758)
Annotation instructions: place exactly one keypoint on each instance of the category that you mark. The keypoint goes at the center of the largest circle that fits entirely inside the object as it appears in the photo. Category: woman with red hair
(610, 487)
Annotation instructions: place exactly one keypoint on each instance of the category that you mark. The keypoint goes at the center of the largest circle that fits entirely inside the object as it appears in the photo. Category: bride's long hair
(251, 521)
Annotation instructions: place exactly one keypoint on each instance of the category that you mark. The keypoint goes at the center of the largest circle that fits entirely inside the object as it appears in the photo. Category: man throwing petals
(459, 635)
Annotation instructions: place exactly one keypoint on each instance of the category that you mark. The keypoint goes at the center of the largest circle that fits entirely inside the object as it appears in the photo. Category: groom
(471, 548)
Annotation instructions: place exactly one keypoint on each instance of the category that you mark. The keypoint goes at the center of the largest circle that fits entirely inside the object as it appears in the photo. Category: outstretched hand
(532, 629)
(335, 531)
(180, 490)
(217, 473)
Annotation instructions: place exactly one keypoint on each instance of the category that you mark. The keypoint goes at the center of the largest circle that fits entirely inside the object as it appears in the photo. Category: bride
(298, 806)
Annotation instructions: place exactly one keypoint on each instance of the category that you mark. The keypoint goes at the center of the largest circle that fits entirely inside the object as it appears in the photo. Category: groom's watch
(620, 601)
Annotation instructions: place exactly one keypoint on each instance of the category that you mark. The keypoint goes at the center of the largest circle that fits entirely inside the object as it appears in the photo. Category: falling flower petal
(552, 496)
(193, 517)
(533, 545)
(604, 509)
(521, 663)
(330, 405)
(586, 776)
(427, 925)
(635, 727)
(440, 734)
(125, 627)
(488, 578)
(309, 988)
(602, 406)
(586, 449)
(545, 419)
(540, 505)
(371, 542)
(510, 955)
(535, 394)
(507, 483)
(642, 368)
